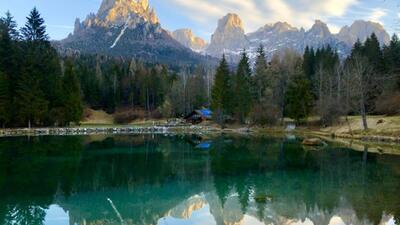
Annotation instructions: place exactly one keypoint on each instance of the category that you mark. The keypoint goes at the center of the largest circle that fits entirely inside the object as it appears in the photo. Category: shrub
(127, 116)
(388, 104)
(265, 114)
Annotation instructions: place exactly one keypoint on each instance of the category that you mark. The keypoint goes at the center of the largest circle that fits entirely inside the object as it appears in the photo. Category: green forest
(40, 87)
(317, 83)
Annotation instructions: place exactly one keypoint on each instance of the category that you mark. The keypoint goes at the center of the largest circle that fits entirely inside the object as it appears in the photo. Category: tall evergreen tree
(34, 29)
(5, 100)
(298, 97)
(373, 52)
(357, 49)
(32, 104)
(221, 92)
(259, 84)
(72, 90)
(241, 88)
(10, 60)
(392, 55)
(309, 63)
(10, 25)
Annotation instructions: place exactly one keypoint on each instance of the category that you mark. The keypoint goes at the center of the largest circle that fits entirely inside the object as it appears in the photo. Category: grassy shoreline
(369, 143)
(154, 127)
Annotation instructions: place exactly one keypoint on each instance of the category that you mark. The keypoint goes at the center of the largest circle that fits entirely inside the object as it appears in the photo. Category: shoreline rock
(313, 142)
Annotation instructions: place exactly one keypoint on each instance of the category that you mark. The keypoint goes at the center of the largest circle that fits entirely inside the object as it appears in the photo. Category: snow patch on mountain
(122, 32)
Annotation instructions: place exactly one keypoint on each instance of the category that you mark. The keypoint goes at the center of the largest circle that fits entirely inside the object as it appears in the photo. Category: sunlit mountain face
(176, 180)
(126, 28)
(129, 29)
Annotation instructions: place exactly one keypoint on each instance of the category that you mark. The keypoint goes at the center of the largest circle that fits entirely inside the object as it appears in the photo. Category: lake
(179, 180)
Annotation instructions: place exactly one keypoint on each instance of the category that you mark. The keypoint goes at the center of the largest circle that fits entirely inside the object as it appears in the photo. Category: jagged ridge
(128, 28)
(230, 39)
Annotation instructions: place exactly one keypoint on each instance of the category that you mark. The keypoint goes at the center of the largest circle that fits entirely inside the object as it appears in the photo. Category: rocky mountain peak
(361, 29)
(230, 22)
(117, 12)
(188, 39)
(283, 27)
(228, 35)
(127, 28)
(320, 29)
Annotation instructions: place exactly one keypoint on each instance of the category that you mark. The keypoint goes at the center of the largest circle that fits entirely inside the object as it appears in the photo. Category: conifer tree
(221, 92)
(298, 97)
(259, 84)
(10, 25)
(5, 100)
(72, 90)
(241, 88)
(357, 49)
(309, 63)
(34, 29)
(392, 55)
(373, 52)
(32, 104)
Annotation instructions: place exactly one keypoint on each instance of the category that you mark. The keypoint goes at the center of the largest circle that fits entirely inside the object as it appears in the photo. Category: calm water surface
(182, 180)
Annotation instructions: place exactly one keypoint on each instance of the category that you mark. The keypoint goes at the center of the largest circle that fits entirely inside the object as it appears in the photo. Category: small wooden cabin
(198, 116)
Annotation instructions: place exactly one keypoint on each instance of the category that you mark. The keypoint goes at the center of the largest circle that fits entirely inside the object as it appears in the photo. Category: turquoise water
(181, 180)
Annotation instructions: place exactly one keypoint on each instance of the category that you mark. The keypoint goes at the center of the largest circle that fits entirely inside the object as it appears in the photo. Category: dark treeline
(34, 88)
(317, 83)
(114, 83)
(38, 87)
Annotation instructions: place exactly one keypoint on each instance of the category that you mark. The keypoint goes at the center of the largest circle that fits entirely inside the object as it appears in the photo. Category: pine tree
(10, 25)
(10, 60)
(72, 90)
(298, 97)
(34, 29)
(221, 92)
(5, 100)
(373, 52)
(357, 50)
(260, 75)
(309, 63)
(31, 102)
(241, 88)
(392, 55)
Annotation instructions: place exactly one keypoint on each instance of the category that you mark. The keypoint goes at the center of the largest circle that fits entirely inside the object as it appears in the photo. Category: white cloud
(256, 13)
(377, 15)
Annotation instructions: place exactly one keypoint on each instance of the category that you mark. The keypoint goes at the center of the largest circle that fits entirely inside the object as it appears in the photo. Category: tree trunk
(349, 125)
(364, 117)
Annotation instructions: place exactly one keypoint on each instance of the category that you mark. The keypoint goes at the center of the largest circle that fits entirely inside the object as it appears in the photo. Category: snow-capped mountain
(127, 28)
(131, 28)
(230, 39)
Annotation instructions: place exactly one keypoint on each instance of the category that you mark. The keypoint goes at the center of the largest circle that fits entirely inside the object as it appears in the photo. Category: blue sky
(202, 15)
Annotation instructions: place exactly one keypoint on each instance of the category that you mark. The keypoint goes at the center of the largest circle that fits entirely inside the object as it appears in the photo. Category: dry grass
(97, 117)
(378, 125)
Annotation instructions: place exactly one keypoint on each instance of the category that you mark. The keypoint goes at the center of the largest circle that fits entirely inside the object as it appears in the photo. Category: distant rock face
(275, 37)
(229, 37)
(128, 28)
(188, 39)
(362, 30)
(117, 12)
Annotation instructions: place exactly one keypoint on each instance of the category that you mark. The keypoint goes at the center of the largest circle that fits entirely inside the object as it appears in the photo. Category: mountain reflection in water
(167, 180)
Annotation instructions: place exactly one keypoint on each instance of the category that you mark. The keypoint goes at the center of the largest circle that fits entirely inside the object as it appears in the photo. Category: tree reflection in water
(151, 179)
